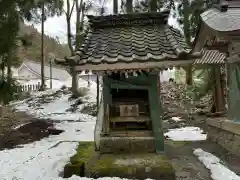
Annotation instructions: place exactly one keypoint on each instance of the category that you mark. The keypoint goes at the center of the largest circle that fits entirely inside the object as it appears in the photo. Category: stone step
(131, 166)
(127, 144)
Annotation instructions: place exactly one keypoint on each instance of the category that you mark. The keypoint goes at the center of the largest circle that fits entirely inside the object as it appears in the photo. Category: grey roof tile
(211, 57)
(130, 38)
(223, 20)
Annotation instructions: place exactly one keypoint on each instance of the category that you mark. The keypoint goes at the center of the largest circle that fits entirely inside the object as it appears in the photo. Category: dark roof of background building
(129, 38)
(57, 72)
(224, 16)
(211, 57)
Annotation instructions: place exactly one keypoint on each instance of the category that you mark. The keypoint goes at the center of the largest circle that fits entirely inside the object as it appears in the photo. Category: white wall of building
(167, 74)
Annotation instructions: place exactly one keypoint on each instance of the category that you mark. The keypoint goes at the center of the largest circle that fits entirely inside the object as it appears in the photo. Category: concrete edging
(225, 124)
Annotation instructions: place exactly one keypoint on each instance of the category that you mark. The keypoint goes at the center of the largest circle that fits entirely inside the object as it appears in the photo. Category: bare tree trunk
(77, 44)
(115, 6)
(9, 65)
(129, 6)
(68, 18)
(70, 45)
(186, 29)
(42, 51)
(2, 69)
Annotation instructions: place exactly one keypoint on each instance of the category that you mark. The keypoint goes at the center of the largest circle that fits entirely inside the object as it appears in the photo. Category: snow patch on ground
(177, 119)
(56, 109)
(213, 163)
(45, 159)
(186, 134)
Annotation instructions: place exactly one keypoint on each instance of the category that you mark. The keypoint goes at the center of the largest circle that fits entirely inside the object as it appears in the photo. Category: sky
(57, 26)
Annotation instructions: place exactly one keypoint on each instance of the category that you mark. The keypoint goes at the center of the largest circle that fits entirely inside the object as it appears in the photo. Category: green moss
(176, 144)
(110, 165)
(70, 169)
(85, 151)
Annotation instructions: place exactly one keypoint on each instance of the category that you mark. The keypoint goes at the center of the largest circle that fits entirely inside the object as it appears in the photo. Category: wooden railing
(28, 88)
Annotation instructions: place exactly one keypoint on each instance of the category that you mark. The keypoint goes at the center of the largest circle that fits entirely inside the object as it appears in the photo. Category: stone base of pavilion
(90, 163)
(127, 145)
(132, 166)
(225, 133)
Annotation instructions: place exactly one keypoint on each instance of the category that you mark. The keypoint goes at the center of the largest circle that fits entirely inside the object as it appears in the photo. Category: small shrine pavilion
(220, 30)
(128, 51)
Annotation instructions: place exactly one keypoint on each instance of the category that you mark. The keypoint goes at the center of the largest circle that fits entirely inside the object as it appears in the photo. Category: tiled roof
(211, 57)
(234, 59)
(131, 38)
(57, 73)
(223, 17)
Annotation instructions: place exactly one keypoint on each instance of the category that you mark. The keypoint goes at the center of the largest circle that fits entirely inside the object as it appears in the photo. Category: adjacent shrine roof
(224, 16)
(132, 41)
(211, 57)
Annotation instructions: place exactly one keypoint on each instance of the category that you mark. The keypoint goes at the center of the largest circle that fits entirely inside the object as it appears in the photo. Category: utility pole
(51, 58)
(50, 63)
(42, 50)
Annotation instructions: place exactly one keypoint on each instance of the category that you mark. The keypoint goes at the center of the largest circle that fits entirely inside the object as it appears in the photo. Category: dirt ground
(187, 165)
(32, 129)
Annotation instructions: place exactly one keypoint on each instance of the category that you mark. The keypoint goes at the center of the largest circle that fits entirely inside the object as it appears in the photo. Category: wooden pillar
(115, 6)
(156, 113)
(129, 6)
(106, 103)
(97, 93)
(153, 5)
(219, 97)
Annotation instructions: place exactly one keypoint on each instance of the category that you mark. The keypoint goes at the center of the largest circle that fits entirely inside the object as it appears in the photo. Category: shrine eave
(222, 21)
(123, 41)
(119, 66)
(211, 57)
(234, 59)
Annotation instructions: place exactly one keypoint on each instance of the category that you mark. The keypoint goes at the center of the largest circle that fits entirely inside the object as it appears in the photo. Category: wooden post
(129, 6)
(153, 5)
(115, 6)
(97, 93)
(218, 90)
(106, 117)
(106, 101)
(42, 48)
(50, 61)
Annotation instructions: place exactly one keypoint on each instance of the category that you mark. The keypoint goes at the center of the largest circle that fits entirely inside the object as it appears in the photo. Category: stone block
(235, 149)
(231, 126)
(132, 166)
(214, 122)
(127, 145)
(85, 153)
(225, 133)
(236, 138)
(230, 136)
(3, 110)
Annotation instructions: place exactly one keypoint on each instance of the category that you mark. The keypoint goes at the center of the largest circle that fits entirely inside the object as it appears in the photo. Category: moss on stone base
(176, 144)
(85, 152)
(139, 166)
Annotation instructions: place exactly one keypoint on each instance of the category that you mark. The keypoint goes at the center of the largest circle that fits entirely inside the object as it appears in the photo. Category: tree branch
(72, 8)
